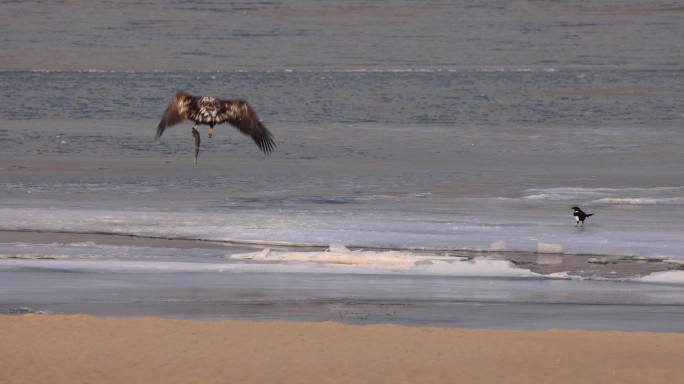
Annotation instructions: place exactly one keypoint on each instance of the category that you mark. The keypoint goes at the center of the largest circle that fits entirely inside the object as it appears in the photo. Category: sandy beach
(86, 349)
(413, 225)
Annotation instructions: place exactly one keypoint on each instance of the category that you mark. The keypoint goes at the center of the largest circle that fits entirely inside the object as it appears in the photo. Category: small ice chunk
(499, 246)
(23, 311)
(261, 255)
(665, 277)
(338, 248)
(549, 248)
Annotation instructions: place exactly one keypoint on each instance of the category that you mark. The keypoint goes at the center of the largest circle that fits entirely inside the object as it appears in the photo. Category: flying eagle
(212, 111)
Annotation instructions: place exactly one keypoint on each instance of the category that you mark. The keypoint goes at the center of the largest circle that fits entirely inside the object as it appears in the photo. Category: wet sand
(79, 348)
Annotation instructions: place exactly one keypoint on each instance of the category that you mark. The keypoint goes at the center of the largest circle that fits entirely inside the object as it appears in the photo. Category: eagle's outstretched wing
(177, 112)
(240, 115)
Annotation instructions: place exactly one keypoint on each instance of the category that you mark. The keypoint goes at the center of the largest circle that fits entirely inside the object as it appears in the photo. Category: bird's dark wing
(240, 115)
(177, 112)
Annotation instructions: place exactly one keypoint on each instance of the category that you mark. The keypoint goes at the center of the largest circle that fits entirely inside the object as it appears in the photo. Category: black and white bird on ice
(580, 215)
(212, 111)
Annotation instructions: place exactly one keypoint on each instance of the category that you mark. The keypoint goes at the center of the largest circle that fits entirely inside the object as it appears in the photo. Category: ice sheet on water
(561, 194)
(609, 232)
(610, 196)
(90, 250)
(665, 277)
(337, 255)
(355, 262)
(85, 265)
(637, 201)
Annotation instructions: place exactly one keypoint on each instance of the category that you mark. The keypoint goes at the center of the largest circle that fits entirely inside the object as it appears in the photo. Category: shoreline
(82, 348)
(122, 276)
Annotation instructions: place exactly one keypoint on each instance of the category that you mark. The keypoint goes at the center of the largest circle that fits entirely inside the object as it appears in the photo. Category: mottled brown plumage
(212, 111)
